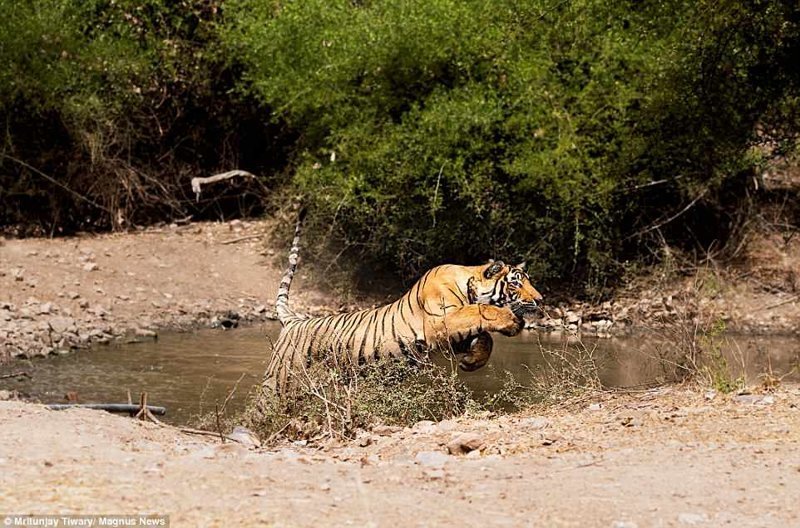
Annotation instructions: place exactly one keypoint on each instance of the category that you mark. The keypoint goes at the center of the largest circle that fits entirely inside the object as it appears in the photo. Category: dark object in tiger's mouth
(521, 309)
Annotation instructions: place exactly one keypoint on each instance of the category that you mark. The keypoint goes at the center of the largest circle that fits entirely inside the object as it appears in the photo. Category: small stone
(551, 439)
(473, 454)
(747, 399)
(446, 425)
(595, 406)
(245, 437)
(464, 443)
(386, 430)
(61, 325)
(91, 266)
(18, 274)
(434, 473)
(431, 459)
(624, 524)
(144, 332)
(535, 423)
(766, 400)
(45, 308)
(692, 519)
(424, 426)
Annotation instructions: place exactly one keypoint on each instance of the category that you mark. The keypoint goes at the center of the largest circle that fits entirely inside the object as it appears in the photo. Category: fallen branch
(241, 239)
(110, 407)
(197, 183)
(16, 375)
(659, 225)
(189, 430)
(785, 301)
(144, 411)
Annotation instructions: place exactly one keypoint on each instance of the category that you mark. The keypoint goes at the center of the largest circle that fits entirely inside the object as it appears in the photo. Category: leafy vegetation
(576, 135)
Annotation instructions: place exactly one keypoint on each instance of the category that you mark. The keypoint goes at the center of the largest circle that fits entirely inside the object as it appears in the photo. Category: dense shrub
(440, 130)
(110, 106)
(575, 134)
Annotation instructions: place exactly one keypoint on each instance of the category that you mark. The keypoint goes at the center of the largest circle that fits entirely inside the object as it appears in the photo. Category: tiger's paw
(469, 362)
(512, 325)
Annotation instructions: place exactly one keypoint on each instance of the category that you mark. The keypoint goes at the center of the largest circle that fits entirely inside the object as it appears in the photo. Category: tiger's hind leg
(477, 353)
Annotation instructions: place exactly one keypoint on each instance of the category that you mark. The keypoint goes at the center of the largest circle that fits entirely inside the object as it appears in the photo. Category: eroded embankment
(668, 457)
(61, 294)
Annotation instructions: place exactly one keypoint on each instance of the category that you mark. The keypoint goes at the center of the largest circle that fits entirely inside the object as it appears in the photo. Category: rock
(10, 395)
(423, 425)
(91, 266)
(464, 443)
(245, 436)
(434, 473)
(61, 325)
(572, 318)
(18, 274)
(535, 423)
(473, 454)
(144, 332)
(386, 430)
(747, 398)
(446, 426)
(766, 400)
(431, 459)
(692, 519)
(624, 524)
(45, 308)
(551, 439)
(227, 320)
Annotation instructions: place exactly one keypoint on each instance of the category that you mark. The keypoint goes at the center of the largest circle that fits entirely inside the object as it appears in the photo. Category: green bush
(575, 135)
(455, 131)
(109, 107)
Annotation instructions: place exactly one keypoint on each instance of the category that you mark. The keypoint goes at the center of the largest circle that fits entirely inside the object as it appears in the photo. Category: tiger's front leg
(472, 319)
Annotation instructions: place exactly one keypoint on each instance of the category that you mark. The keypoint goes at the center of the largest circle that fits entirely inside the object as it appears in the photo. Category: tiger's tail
(286, 314)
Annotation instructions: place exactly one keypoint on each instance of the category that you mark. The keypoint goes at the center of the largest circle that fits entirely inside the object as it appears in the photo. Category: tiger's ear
(494, 267)
(522, 265)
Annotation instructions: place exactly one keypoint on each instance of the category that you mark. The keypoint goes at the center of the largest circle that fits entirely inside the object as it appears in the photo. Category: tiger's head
(502, 284)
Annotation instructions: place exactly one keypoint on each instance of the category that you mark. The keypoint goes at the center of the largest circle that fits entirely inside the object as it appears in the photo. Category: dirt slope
(56, 294)
(665, 458)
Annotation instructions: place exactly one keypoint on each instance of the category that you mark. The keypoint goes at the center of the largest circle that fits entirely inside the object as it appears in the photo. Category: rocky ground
(60, 294)
(663, 458)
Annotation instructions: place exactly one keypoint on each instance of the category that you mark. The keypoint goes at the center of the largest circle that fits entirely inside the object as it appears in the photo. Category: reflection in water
(188, 373)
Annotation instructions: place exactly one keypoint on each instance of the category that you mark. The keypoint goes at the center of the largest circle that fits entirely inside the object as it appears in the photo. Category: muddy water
(190, 373)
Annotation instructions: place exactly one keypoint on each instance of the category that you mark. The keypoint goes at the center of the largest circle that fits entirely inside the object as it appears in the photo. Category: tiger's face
(502, 284)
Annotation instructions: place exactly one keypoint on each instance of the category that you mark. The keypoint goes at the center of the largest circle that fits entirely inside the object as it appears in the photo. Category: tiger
(450, 307)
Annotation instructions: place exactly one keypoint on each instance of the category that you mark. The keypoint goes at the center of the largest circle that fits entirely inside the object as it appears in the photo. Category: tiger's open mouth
(522, 308)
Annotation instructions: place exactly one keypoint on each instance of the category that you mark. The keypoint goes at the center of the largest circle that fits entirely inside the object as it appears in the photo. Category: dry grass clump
(568, 372)
(335, 401)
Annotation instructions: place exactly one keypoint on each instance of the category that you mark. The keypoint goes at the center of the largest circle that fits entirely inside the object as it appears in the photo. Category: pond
(190, 373)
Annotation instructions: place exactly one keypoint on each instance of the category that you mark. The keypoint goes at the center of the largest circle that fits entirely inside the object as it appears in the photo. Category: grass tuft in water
(337, 402)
